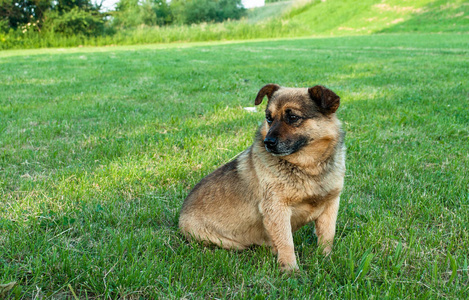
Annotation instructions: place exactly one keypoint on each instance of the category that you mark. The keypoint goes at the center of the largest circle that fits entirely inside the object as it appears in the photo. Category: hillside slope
(350, 17)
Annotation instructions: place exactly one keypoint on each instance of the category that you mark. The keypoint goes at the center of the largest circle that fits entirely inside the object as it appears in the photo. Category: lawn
(100, 146)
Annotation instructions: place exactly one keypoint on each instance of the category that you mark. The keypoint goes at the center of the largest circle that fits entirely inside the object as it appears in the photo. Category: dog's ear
(326, 99)
(267, 90)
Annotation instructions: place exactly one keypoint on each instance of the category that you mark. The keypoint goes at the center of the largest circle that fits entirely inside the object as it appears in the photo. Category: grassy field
(100, 146)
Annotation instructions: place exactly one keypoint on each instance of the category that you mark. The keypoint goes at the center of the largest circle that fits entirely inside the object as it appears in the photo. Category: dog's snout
(270, 142)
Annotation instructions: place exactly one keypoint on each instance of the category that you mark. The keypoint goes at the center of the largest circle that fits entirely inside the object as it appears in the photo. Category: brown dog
(293, 174)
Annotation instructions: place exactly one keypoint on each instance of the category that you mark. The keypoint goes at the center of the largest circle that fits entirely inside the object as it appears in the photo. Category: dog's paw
(287, 260)
(327, 251)
(289, 268)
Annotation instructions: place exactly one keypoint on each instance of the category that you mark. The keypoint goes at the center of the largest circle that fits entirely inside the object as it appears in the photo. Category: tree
(131, 13)
(62, 16)
(230, 9)
(68, 5)
(75, 21)
(72, 17)
(197, 11)
(14, 13)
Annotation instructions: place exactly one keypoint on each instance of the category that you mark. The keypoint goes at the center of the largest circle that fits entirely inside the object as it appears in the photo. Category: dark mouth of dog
(276, 153)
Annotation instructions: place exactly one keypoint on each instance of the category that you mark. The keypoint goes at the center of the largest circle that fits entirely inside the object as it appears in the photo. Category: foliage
(229, 9)
(66, 17)
(66, 5)
(74, 21)
(197, 11)
(315, 18)
(16, 13)
(132, 13)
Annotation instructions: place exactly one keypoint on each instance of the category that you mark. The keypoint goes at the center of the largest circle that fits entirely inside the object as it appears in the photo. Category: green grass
(100, 146)
(302, 18)
(350, 17)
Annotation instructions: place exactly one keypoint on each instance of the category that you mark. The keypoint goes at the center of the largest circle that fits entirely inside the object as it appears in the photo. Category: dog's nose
(270, 142)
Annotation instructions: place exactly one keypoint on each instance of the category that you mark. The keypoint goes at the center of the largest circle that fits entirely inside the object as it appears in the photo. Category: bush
(74, 21)
(198, 11)
(4, 25)
(132, 13)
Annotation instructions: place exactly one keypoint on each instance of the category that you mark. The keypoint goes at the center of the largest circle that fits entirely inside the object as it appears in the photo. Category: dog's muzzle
(270, 143)
(283, 148)
(272, 146)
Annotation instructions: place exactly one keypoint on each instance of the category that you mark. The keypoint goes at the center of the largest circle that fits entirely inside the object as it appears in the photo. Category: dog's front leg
(277, 222)
(325, 226)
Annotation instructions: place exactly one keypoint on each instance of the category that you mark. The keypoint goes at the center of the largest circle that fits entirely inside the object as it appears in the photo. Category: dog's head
(295, 117)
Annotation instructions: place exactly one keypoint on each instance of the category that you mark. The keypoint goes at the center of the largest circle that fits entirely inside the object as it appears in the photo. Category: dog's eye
(269, 119)
(293, 118)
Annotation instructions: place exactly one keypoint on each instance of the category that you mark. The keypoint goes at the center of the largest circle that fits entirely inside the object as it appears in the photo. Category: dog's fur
(293, 174)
